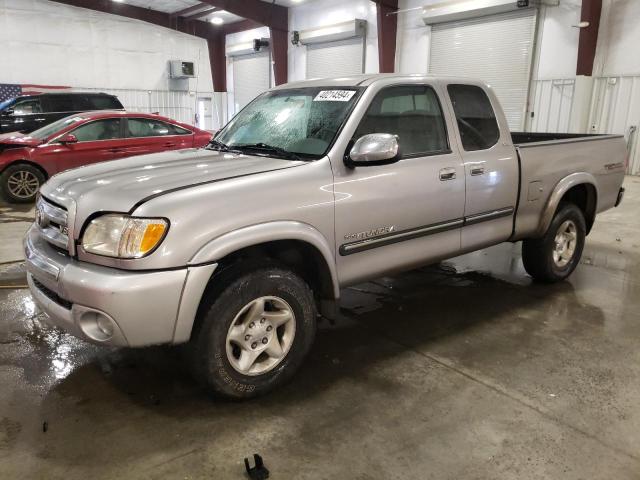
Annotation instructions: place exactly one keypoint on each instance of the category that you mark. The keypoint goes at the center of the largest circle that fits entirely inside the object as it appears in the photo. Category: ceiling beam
(188, 10)
(267, 14)
(200, 14)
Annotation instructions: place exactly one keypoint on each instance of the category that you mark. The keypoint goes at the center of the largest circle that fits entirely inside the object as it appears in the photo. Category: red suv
(26, 161)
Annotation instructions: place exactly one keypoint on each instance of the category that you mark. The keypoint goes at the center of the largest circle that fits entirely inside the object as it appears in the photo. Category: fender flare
(257, 234)
(561, 188)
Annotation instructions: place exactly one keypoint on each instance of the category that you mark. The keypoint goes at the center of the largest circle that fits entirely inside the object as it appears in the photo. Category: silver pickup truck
(237, 248)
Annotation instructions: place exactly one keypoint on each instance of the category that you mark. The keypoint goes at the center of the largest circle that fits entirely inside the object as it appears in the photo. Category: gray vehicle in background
(237, 248)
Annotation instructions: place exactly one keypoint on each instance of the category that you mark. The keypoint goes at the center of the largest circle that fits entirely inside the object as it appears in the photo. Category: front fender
(258, 234)
(561, 188)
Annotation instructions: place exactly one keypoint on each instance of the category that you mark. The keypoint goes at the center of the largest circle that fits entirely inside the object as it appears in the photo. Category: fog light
(97, 326)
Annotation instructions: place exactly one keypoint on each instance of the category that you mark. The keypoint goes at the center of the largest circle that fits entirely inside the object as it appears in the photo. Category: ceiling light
(217, 21)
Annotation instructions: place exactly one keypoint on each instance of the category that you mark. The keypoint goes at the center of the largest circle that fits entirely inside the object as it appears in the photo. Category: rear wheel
(20, 183)
(254, 334)
(555, 256)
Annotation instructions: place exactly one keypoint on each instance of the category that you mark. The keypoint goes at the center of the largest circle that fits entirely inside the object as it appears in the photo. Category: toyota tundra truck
(238, 248)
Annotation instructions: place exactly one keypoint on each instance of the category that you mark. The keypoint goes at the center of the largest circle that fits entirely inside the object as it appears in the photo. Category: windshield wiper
(216, 145)
(263, 147)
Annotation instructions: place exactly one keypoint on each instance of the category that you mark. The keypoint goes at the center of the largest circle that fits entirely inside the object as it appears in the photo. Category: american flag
(9, 90)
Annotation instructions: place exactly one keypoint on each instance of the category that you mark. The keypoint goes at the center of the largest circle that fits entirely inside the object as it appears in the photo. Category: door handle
(40, 119)
(169, 144)
(477, 171)
(448, 173)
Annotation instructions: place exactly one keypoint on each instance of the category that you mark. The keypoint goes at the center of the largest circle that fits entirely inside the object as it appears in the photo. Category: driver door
(409, 213)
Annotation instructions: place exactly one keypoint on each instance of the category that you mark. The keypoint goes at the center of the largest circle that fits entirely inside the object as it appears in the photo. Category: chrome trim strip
(52, 212)
(38, 262)
(362, 245)
(395, 237)
(483, 217)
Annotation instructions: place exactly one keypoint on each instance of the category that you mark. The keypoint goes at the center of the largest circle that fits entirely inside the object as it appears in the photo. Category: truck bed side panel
(545, 164)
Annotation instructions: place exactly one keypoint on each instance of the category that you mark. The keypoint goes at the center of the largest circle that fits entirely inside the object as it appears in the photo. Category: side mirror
(374, 149)
(8, 112)
(68, 138)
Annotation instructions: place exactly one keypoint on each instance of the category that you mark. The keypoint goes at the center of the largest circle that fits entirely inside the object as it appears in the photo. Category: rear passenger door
(407, 213)
(147, 135)
(490, 165)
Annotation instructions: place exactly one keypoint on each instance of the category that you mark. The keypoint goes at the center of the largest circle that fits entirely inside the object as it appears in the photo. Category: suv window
(144, 127)
(476, 118)
(413, 113)
(81, 103)
(104, 102)
(27, 106)
(60, 103)
(99, 130)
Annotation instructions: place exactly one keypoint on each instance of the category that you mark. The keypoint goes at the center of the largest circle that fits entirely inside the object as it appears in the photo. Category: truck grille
(52, 223)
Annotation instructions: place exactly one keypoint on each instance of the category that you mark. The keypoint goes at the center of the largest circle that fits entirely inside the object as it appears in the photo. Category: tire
(232, 329)
(544, 259)
(21, 182)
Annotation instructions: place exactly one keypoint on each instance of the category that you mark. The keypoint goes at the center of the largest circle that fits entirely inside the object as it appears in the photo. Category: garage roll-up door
(335, 59)
(251, 77)
(496, 49)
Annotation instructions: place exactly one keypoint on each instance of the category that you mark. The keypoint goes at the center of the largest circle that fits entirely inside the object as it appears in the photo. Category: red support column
(279, 49)
(218, 61)
(591, 10)
(387, 29)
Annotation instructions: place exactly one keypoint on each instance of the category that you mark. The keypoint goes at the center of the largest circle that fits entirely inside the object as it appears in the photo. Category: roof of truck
(369, 78)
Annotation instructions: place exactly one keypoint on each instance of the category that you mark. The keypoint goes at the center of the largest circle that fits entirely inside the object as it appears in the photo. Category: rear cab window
(475, 116)
(414, 114)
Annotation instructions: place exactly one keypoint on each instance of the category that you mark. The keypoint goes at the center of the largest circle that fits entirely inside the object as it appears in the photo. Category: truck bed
(547, 158)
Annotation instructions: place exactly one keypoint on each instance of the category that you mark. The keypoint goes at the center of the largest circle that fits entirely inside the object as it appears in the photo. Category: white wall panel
(53, 44)
(496, 48)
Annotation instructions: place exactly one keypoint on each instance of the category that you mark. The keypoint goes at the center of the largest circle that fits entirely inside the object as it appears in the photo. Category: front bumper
(140, 308)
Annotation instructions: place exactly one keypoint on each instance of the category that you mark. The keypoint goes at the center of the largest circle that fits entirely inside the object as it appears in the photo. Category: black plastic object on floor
(259, 472)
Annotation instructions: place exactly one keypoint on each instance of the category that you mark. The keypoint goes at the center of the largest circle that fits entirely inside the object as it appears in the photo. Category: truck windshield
(301, 122)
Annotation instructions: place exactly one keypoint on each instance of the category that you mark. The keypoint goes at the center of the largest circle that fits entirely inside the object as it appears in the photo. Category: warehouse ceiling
(219, 16)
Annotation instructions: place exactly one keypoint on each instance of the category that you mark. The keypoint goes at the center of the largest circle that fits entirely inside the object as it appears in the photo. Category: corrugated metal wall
(615, 108)
(179, 105)
(552, 104)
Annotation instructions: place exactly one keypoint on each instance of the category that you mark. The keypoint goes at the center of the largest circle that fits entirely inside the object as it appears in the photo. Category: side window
(104, 102)
(60, 103)
(143, 127)
(80, 103)
(411, 112)
(476, 119)
(99, 130)
(27, 106)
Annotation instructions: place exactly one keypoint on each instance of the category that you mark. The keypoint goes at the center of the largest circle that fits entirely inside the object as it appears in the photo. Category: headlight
(122, 236)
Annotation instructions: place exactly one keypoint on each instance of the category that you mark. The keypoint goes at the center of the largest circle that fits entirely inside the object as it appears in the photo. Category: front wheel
(254, 334)
(555, 256)
(20, 183)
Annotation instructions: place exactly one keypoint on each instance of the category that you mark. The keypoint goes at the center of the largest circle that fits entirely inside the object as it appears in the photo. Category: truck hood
(120, 185)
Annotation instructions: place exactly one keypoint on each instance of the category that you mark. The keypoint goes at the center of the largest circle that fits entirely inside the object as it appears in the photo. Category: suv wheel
(20, 183)
(555, 256)
(254, 334)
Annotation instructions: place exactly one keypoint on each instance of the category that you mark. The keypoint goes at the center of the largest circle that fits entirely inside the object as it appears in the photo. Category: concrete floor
(461, 370)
